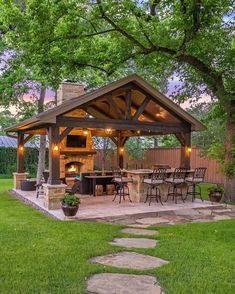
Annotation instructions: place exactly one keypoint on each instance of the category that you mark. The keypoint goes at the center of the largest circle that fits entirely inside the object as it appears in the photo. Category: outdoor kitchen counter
(138, 189)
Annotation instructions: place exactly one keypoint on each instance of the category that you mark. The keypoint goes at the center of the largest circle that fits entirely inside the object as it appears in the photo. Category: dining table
(93, 180)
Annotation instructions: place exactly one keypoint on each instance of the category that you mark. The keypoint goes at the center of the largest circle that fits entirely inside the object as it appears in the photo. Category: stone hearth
(80, 163)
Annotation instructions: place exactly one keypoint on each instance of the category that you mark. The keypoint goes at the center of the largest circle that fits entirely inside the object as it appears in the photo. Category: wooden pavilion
(122, 109)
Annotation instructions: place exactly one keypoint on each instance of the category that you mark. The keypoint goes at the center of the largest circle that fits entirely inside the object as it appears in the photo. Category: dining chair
(121, 185)
(194, 181)
(175, 184)
(157, 178)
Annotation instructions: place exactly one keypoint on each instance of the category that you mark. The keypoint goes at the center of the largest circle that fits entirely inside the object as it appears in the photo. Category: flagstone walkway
(114, 283)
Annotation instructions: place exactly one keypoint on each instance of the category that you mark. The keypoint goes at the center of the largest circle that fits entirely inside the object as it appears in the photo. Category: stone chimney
(68, 90)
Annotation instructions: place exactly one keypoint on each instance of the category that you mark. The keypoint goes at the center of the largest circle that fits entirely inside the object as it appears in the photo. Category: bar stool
(157, 178)
(121, 186)
(176, 181)
(197, 178)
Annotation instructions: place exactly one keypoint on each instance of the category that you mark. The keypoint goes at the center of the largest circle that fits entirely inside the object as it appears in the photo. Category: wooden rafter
(115, 107)
(145, 113)
(128, 104)
(141, 108)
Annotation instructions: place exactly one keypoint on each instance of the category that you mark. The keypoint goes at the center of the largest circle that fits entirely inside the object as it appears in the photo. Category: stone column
(52, 195)
(18, 177)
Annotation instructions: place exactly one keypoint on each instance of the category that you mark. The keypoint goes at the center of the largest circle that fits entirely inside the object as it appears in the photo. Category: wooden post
(120, 151)
(186, 151)
(20, 153)
(54, 156)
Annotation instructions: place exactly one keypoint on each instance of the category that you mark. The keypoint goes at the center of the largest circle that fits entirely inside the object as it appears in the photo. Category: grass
(42, 255)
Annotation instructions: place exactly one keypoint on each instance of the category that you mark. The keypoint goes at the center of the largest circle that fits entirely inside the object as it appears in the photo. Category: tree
(192, 39)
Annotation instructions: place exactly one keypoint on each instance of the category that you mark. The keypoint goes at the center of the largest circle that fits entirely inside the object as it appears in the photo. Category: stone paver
(134, 242)
(109, 283)
(205, 211)
(131, 260)
(139, 231)
(186, 212)
(152, 220)
(221, 217)
(222, 210)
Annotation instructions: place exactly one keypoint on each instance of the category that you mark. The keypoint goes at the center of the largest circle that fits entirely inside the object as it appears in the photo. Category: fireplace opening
(72, 168)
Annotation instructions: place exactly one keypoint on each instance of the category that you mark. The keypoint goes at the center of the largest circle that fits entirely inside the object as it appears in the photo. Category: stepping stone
(130, 260)
(186, 212)
(134, 242)
(221, 217)
(152, 220)
(139, 231)
(109, 283)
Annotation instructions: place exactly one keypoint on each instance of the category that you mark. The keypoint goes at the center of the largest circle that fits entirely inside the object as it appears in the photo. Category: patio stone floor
(103, 209)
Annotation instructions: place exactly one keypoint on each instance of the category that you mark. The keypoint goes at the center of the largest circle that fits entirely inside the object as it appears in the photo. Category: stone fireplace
(72, 168)
(72, 165)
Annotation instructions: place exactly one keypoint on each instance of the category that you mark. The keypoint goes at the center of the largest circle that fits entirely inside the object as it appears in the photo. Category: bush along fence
(8, 160)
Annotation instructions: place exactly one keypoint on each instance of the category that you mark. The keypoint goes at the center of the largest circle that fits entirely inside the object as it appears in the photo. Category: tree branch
(75, 63)
(153, 7)
(118, 28)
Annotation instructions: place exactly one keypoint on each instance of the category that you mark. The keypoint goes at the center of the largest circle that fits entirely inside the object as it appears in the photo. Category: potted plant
(70, 204)
(216, 192)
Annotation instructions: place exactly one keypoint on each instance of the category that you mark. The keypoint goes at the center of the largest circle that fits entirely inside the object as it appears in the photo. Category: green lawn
(42, 255)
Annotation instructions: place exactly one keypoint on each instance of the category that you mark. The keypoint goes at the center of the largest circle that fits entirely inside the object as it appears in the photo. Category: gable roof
(50, 115)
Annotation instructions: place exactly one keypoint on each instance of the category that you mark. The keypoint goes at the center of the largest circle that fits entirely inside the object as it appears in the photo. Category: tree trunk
(41, 158)
(230, 157)
(42, 149)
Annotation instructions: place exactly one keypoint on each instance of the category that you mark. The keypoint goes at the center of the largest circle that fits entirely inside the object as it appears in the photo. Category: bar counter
(138, 189)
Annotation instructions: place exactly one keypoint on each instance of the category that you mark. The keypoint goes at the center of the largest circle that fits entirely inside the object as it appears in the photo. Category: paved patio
(102, 208)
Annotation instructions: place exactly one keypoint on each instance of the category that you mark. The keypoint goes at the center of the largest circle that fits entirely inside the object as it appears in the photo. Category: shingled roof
(9, 142)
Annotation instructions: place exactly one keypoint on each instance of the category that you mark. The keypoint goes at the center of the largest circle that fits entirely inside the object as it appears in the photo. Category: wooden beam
(115, 107)
(28, 138)
(141, 108)
(185, 153)
(114, 140)
(65, 133)
(20, 153)
(123, 141)
(128, 104)
(181, 138)
(95, 111)
(54, 156)
(122, 125)
(145, 113)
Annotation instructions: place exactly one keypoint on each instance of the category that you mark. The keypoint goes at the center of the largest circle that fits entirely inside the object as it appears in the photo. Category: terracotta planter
(215, 196)
(69, 210)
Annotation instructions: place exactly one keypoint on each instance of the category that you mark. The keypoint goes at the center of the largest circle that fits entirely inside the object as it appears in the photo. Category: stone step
(110, 283)
(131, 260)
(134, 242)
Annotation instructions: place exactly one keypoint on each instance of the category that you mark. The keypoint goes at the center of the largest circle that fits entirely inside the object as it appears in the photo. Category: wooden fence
(169, 156)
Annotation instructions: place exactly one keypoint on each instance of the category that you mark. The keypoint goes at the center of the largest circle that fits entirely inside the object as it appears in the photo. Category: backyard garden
(43, 255)
(117, 139)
